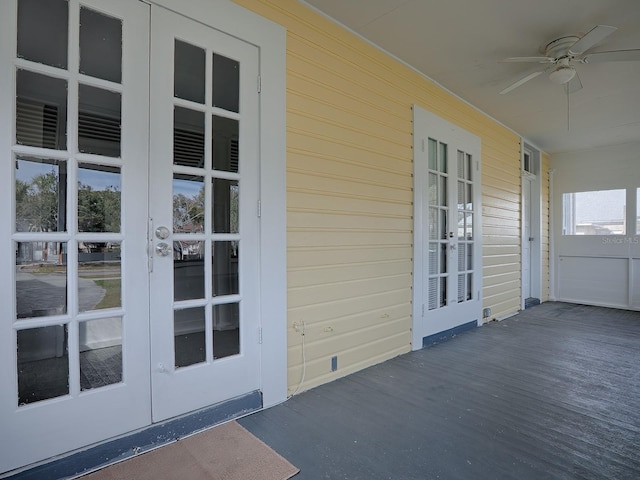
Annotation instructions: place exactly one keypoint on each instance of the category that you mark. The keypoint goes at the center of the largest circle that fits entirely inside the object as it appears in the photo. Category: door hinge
(259, 335)
(259, 208)
(423, 145)
(259, 84)
(423, 309)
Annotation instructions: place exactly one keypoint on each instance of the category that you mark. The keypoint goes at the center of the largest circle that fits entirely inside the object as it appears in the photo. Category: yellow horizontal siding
(340, 312)
(322, 148)
(501, 224)
(312, 276)
(325, 257)
(544, 224)
(350, 198)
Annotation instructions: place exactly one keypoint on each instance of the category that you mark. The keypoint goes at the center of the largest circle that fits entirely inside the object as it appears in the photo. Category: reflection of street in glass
(106, 277)
(41, 290)
(42, 283)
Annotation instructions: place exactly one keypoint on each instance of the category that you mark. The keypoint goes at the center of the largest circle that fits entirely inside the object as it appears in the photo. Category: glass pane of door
(465, 212)
(50, 280)
(438, 204)
(197, 204)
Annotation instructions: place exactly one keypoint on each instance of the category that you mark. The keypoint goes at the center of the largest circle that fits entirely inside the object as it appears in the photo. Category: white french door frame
(428, 125)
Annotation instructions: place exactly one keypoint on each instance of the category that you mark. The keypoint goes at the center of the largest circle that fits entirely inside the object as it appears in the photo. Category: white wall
(597, 270)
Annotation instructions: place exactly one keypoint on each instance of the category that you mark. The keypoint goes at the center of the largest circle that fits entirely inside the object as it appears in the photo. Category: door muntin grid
(68, 236)
(207, 183)
(465, 215)
(438, 224)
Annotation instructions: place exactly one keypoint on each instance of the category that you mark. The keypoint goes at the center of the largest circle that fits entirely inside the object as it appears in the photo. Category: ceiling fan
(562, 54)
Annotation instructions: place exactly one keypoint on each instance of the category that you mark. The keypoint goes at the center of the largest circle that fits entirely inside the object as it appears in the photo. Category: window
(530, 159)
(594, 213)
(526, 162)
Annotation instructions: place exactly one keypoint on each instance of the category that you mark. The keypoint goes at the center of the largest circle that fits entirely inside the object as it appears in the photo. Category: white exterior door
(204, 187)
(526, 237)
(448, 249)
(74, 335)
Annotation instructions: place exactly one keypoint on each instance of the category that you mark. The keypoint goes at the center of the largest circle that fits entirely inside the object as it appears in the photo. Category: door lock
(162, 233)
(163, 249)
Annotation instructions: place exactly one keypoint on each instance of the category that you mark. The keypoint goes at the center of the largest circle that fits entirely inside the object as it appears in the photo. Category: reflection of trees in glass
(98, 210)
(188, 212)
(37, 203)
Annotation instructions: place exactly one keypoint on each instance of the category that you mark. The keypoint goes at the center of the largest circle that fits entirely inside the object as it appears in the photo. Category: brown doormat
(225, 452)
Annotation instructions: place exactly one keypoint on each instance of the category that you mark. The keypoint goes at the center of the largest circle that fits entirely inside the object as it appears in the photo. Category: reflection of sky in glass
(99, 180)
(188, 188)
(27, 170)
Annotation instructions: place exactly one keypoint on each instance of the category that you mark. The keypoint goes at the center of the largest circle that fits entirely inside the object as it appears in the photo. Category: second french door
(448, 245)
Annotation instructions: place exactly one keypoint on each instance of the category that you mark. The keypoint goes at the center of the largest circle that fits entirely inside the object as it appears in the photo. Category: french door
(447, 236)
(204, 216)
(74, 323)
(129, 227)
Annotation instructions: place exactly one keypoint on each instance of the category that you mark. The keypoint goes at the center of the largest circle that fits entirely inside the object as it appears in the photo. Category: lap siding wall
(350, 199)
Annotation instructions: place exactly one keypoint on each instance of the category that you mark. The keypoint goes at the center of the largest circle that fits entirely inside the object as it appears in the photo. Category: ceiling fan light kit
(562, 75)
(565, 52)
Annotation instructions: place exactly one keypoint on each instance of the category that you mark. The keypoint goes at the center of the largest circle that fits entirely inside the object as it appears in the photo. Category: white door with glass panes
(74, 328)
(204, 216)
(448, 248)
(130, 230)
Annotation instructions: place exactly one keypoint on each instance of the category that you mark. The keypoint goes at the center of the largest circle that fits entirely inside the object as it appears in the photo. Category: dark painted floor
(553, 393)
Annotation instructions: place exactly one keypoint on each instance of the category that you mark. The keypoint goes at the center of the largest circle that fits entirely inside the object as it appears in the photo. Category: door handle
(163, 249)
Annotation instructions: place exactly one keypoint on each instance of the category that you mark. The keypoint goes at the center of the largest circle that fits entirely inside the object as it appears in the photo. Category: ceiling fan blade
(528, 60)
(520, 82)
(592, 37)
(613, 56)
(574, 84)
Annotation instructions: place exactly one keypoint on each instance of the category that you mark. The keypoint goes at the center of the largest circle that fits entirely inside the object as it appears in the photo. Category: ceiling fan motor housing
(560, 47)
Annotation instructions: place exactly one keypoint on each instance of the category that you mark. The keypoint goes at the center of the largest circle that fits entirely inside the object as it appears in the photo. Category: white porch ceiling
(459, 44)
